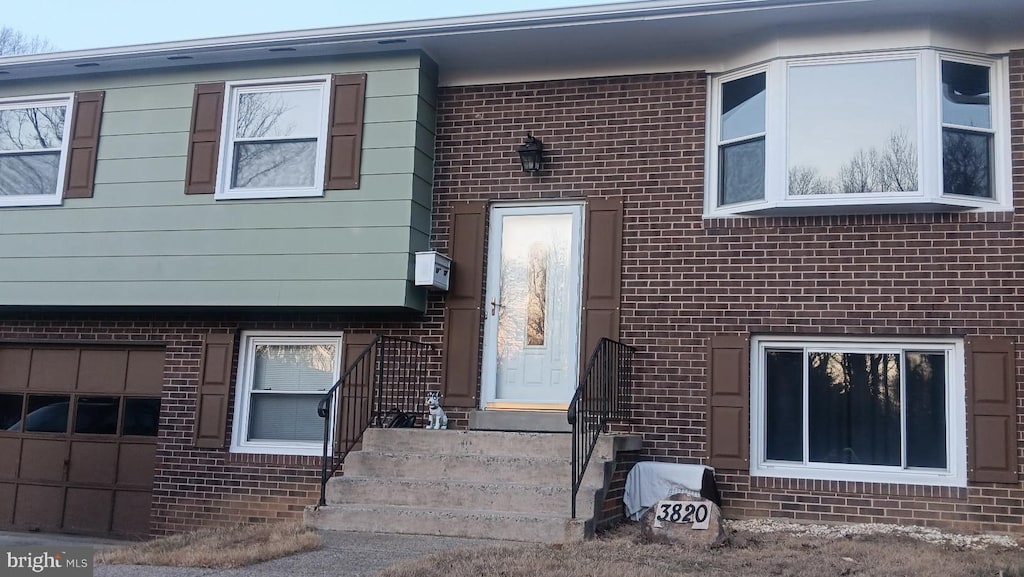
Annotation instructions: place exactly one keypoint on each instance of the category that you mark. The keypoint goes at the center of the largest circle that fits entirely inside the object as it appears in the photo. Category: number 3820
(682, 512)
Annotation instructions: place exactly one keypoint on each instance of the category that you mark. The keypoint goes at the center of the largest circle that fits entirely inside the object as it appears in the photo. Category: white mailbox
(433, 269)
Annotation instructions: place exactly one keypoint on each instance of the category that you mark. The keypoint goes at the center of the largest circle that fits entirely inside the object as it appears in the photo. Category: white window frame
(954, 475)
(232, 92)
(243, 391)
(65, 100)
(929, 198)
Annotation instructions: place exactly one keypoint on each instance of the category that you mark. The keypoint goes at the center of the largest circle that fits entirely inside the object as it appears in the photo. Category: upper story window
(275, 139)
(33, 146)
(913, 130)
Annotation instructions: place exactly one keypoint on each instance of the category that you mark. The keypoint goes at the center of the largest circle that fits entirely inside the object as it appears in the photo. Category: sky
(78, 24)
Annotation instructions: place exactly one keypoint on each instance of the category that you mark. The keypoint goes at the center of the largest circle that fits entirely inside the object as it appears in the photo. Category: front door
(531, 347)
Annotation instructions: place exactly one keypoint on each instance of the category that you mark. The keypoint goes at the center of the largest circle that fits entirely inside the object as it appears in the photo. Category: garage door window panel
(141, 417)
(47, 414)
(97, 415)
(11, 412)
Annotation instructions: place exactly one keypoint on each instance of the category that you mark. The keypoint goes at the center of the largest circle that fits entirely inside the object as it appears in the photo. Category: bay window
(910, 131)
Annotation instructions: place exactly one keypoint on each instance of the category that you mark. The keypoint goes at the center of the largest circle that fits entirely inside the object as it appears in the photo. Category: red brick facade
(684, 279)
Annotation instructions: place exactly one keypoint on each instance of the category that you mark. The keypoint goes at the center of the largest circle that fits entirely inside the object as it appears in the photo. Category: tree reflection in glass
(853, 128)
(537, 294)
(276, 139)
(854, 408)
(30, 146)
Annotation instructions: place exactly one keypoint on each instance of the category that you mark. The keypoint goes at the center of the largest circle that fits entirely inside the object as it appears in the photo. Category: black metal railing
(603, 397)
(389, 376)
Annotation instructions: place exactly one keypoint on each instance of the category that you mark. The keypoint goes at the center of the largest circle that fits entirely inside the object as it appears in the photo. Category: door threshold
(532, 407)
(550, 421)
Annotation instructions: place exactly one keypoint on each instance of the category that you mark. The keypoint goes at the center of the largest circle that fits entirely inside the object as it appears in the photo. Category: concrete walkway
(342, 554)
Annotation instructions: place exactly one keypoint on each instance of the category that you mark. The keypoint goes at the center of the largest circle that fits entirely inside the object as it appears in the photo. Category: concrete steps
(447, 522)
(461, 467)
(485, 484)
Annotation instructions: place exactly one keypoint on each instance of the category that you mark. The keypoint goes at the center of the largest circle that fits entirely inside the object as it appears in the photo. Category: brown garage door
(78, 432)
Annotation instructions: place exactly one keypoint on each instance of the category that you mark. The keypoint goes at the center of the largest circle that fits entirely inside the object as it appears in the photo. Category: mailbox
(433, 269)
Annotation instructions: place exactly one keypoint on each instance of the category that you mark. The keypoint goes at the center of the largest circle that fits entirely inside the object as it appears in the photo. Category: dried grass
(223, 548)
(747, 554)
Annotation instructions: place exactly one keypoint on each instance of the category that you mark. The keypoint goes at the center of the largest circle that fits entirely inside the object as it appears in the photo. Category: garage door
(78, 432)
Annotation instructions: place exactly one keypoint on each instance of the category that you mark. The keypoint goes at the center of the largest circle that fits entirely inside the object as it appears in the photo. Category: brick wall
(686, 278)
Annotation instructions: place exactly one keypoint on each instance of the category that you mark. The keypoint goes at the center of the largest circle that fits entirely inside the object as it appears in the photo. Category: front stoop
(485, 484)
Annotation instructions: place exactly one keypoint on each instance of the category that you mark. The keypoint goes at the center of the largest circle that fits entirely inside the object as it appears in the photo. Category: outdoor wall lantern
(531, 154)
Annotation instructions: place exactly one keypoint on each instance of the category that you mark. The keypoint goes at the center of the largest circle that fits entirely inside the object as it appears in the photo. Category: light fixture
(531, 154)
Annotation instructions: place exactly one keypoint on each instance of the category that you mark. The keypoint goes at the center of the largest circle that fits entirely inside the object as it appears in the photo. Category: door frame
(489, 364)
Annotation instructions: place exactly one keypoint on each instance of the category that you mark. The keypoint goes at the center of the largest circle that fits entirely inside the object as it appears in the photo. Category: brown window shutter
(204, 139)
(345, 131)
(991, 410)
(462, 308)
(729, 402)
(602, 273)
(80, 170)
(214, 390)
(353, 409)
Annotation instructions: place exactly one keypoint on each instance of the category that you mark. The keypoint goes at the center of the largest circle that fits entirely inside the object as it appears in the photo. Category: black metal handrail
(388, 375)
(602, 397)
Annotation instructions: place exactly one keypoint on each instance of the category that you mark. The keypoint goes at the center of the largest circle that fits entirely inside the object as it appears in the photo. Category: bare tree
(896, 167)
(804, 180)
(857, 175)
(268, 163)
(965, 166)
(889, 168)
(14, 42)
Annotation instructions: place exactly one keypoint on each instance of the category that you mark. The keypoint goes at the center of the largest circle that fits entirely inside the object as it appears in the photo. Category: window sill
(34, 200)
(830, 206)
(888, 475)
(282, 448)
(269, 193)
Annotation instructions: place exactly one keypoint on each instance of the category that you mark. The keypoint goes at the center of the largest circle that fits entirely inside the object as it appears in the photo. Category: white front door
(531, 333)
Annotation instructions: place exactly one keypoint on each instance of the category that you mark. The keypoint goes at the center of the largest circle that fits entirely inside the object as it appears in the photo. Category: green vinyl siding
(155, 145)
(159, 121)
(140, 241)
(140, 170)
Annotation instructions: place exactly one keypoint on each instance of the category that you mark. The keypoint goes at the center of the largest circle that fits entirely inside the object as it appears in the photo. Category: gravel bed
(926, 534)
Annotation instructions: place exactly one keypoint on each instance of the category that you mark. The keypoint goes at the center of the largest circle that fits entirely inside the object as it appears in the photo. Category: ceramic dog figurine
(437, 418)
